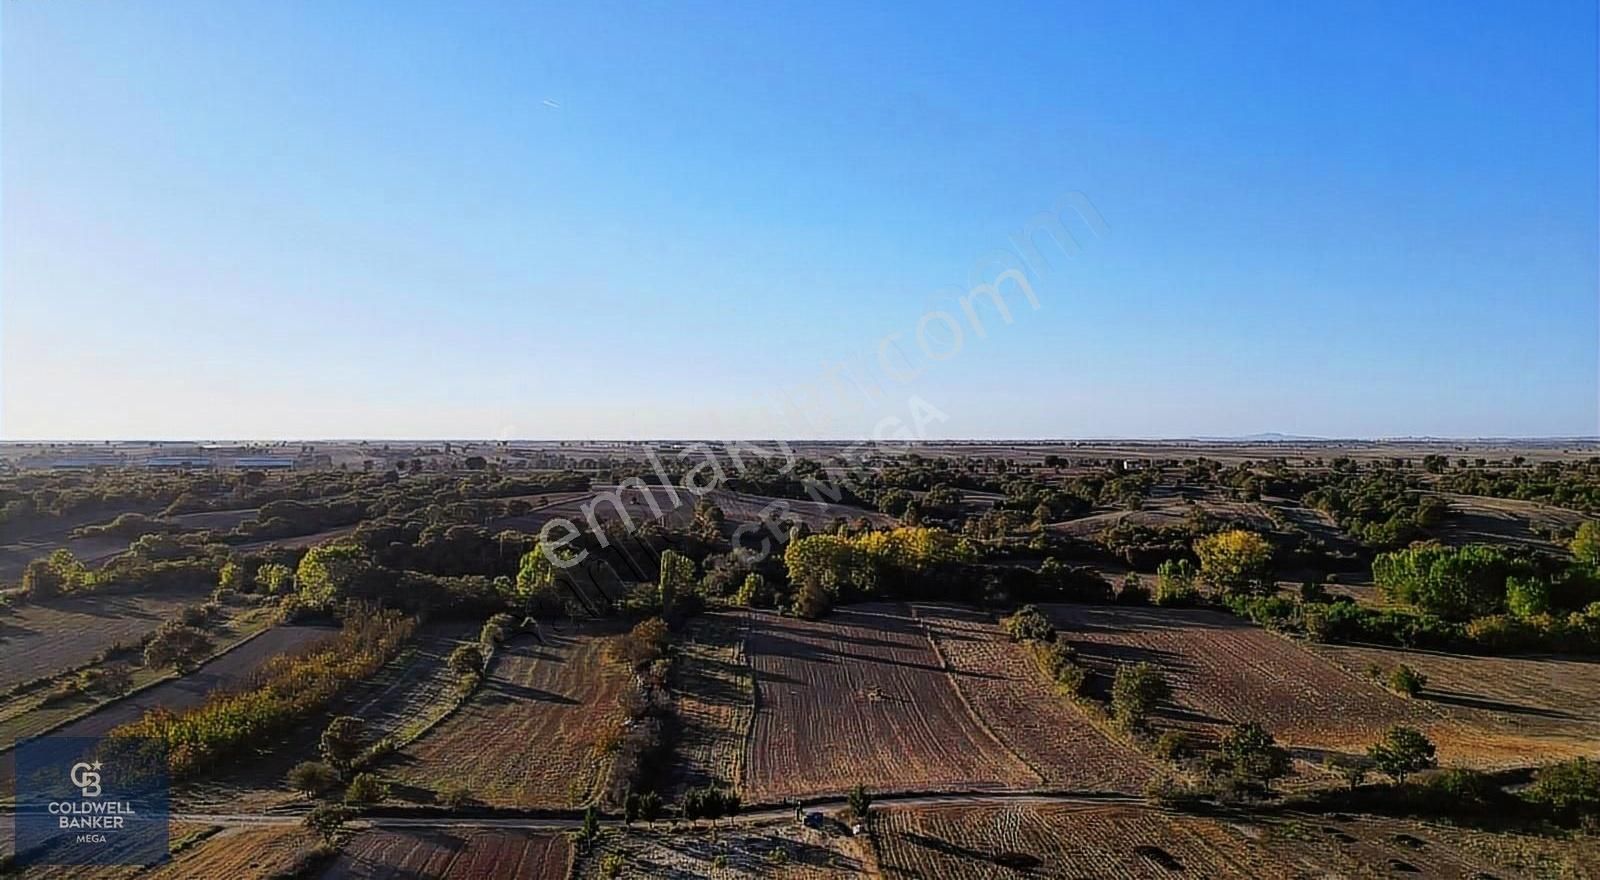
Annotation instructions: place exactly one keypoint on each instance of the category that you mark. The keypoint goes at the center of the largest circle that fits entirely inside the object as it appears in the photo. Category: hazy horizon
(399, 221)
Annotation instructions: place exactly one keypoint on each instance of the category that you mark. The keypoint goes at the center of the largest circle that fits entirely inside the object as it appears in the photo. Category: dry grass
(531, 736)
(861, 697)
(1004, 687)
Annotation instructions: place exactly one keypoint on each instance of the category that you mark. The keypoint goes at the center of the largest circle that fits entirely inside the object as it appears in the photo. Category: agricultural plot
(1499, 711)
(714, 699)
(411, 692)
(777, 851)
(1001, 683)
(45, 638)
(453, 854)
(537, 733)
(232, 669)
(861, 697)
(1224, 670)
(1058, 840)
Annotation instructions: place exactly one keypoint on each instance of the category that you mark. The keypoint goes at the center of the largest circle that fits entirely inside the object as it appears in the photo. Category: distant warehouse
(264, 463)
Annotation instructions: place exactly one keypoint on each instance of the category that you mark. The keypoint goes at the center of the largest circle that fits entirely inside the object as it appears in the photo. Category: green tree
(328, 821)
(234, 578)
(860, 801)
(328, 572)
(753, 593)
(1402, 752)
(1175, 583)
(1136, 692)
(1252, 756)
(1235, 561)
(58, 573)
(677, 576)
(342, 742)
(312, 778)
(1586, 544)
(1527, 596)
(536, 582)
(275, 578)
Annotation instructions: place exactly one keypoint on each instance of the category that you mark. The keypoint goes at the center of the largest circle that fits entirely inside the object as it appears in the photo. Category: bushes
(1029, 624)
(1136, 692)
(1405, 680)
(176, 645)
(709, 802)
(366, 788)
(1235, 561)
(1175, 584)
(1570, 790)
(290, 689)
(1058, 662)
(312, 778)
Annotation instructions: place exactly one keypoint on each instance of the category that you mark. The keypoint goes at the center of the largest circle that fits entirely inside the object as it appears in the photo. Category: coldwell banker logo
(91, 801)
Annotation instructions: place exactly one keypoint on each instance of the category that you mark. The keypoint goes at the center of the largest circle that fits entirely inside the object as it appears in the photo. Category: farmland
(451, 854)
(40, 639)
(715, 703)
(1225, 671)
(1497, 710)
(862, 697)
(535, 734)
(1057, 840)
(1002, 685)
(780, 851)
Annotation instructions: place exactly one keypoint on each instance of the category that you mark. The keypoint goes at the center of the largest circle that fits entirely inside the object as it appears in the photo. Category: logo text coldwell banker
(91, 801)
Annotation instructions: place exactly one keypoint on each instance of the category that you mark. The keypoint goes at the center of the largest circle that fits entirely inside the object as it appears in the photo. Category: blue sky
(289, 220)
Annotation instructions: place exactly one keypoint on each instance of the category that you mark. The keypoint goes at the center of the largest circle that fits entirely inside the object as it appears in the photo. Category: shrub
(312, 778)
(181, 647)
(467, 659)
(644, 644)
(1175, 584)
(328, 820)
(1136, 692)
(1175, 745)
(366, 788)
(1133, 591)
(1405, 680)
(455, 796)
(1058, 662)
(1029, 624)
(1570, 789)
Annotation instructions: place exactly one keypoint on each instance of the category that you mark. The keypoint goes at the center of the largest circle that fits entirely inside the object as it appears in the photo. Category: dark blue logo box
(91, 801)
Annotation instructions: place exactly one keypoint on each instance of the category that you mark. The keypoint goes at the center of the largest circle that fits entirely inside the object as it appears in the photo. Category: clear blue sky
(271, 219)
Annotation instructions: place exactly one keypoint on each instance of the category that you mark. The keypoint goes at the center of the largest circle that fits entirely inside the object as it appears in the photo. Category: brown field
(1477, 519)
(744, 851)
(1056, 840)
(1002, 684)
(1498, 711)
(45, 638)
(1224, 670)
(714, 698)
(861, 697)
(453, 854)
(532, 735)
